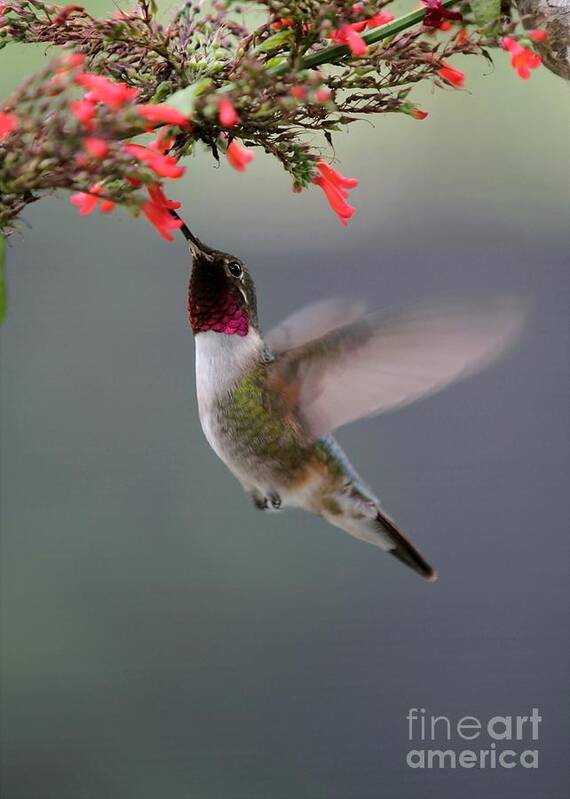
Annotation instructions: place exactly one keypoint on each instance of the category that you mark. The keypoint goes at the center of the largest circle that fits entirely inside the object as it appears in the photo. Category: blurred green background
(159, 637)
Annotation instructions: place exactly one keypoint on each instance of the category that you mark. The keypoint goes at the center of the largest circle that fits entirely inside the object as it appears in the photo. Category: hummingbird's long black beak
(197, 247)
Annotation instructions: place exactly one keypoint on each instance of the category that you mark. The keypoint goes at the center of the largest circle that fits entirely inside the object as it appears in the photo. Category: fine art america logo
(441, 742)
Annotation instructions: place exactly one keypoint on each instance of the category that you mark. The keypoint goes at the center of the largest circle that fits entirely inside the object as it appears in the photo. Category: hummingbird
(268, 405)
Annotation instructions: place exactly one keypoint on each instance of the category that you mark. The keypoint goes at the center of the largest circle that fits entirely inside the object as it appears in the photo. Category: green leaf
(277, 40)
(183, 99)
(2, 283)
(276, 61)
(485, 11)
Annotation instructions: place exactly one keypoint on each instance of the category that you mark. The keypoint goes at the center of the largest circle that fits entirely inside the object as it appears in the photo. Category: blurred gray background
(160, 638)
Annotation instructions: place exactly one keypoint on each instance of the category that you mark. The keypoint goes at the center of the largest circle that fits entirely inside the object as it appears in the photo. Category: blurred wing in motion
(312, 322)
(385, 361)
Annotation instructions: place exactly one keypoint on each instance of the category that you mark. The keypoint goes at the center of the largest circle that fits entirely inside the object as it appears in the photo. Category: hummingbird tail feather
(363, 518)
(403, 549)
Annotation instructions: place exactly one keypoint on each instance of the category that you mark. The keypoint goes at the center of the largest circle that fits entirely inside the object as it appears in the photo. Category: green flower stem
(336, 53)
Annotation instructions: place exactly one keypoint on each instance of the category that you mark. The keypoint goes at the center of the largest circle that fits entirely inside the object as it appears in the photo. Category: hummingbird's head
(221, 293)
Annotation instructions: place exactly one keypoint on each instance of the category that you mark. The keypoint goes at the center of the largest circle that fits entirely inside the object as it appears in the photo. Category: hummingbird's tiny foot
(260, 502)
(275, 500)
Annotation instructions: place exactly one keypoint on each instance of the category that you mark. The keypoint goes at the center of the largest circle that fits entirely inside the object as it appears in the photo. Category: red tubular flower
(452, 75)
(159, 216)
(337, 202)
(164, 165)
(538, 35)
(65, 12)
(54, 86)
(163, 143)
(509, 44)
(106, 91)
(238, 156)
(462, 37)
(284, 22)
(162, 115)
(226, 113)
(98, 148)
(355, 42)
(159, 197)
(72, 61)
(359, 26)
(522, 59)
(107, 206)
(436, 14)
(84, 111)
(8, 124)
(335, 177)
(84, 201)
(383, 18)
(349, 36)
(417, 113)
(335, 187)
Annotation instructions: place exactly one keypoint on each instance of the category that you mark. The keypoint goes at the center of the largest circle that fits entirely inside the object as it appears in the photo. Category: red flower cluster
(103, 90)
(522, 58)
(8, 123)
(156, 210)
(88, 201)
(335, 187)
(437, 16)
(349, 33)
(100, 90)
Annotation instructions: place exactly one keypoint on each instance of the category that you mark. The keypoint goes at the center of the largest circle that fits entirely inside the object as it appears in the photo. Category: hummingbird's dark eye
(235, 269)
